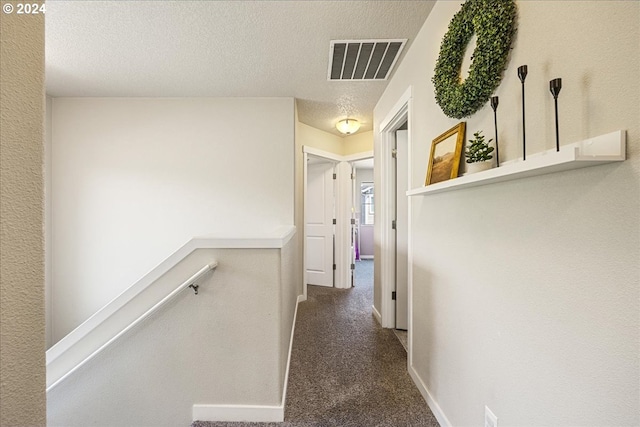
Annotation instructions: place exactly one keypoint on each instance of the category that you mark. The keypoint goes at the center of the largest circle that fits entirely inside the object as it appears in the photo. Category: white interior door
(319, 224)
(402, 223)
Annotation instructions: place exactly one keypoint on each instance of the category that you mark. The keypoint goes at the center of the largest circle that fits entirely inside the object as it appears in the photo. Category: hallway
(345, 369)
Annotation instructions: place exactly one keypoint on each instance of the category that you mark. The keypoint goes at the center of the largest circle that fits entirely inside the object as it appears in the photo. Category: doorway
(364, 210)
(393, 160)
(318, 258)
(401, 227)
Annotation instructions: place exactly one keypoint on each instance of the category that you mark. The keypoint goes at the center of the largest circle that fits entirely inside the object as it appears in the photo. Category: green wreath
(493, 21)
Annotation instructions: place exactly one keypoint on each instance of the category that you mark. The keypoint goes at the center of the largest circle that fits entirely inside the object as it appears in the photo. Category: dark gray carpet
(345, 369)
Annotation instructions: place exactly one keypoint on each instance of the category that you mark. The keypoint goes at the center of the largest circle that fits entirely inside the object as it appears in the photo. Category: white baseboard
(301, 298)
(433, 405)
(377, 314)
(239, 413)
(249, 413)
(366, 256)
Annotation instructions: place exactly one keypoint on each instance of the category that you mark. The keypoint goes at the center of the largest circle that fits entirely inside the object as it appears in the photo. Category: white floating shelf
(590, 152)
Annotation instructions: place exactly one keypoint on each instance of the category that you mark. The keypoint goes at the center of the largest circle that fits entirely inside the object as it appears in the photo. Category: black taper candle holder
(522, 74)
(494, 105)
(554, 86)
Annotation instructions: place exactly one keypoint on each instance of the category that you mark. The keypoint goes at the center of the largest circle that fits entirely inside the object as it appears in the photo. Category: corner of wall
(358, 143)
(316, 138)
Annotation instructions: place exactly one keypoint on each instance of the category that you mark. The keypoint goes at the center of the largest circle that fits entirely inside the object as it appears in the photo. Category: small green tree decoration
(478, 150)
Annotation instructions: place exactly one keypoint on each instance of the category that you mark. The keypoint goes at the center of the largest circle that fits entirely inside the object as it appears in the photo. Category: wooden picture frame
(446, 150)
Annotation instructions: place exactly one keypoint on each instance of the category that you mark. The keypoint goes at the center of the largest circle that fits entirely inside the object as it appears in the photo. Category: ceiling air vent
(363, 59)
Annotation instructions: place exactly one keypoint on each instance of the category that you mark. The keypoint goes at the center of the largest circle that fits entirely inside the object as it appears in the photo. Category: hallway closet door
(319, 225)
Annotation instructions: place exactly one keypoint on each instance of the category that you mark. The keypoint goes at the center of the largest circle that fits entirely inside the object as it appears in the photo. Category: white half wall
(526, 293)
(134, 178)
(228, 347)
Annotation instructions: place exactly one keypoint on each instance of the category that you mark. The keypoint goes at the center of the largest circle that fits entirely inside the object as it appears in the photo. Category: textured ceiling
(221, 49)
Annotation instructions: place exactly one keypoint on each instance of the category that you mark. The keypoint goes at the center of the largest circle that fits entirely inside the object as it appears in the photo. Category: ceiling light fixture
(348, 126)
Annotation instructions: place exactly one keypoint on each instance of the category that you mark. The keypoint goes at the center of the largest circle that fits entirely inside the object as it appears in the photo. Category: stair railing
(189, 283)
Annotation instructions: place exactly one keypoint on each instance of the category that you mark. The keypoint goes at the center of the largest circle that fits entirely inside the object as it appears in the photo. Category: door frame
(400, 113)
(343, 214)
(401, 235)
(349, 210)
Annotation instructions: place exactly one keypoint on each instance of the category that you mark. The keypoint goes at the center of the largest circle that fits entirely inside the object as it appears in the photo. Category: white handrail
(187, 283)
(275, 239)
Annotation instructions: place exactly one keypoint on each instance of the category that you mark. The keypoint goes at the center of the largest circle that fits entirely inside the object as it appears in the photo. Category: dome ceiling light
(348, 126)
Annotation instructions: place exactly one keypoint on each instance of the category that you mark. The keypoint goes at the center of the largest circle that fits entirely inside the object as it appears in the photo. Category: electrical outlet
(490, 420)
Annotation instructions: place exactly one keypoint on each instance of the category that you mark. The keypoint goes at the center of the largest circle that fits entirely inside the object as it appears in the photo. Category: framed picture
(445, 155)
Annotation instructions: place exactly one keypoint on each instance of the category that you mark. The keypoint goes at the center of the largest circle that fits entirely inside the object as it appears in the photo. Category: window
(367, 209)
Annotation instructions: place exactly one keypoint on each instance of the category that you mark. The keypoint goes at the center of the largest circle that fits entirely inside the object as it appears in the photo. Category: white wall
(526, 293)
(134, 179)
(316, 138)
(358, 143)
(48, 226)
(200, 349)
(341, 145)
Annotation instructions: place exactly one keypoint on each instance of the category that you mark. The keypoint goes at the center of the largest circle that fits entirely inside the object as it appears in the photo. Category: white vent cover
(363, 59)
